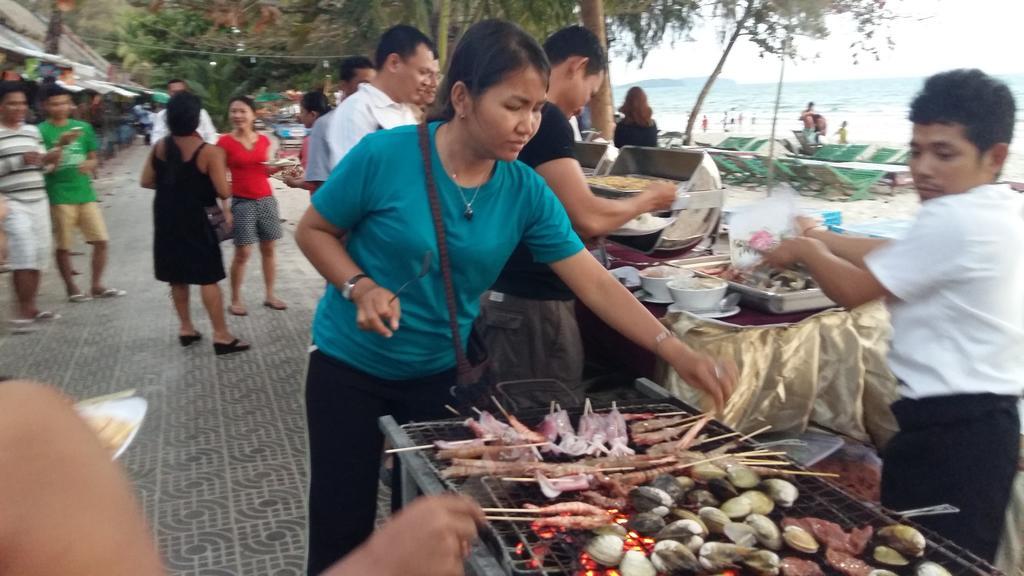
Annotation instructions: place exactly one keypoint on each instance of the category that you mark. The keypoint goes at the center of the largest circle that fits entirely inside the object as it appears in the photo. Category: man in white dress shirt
(405, 70)
(206, 129)
(953, 287)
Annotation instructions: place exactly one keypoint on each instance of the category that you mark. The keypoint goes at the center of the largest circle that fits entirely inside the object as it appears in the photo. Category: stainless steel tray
(782, 302)
(619, 193)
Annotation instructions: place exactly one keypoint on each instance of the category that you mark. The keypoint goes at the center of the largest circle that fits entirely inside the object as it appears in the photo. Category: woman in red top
(254, 208)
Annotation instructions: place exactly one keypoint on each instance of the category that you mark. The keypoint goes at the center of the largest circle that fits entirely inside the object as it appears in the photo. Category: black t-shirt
(636, 135)
(522, 276)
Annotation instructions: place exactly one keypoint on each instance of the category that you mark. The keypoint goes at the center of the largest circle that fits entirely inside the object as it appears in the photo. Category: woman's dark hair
(576, 41)
(315, 101)
(402, 40)
(183, 110)
(635, 109)
(982, 104)
(244, 100)
(489, 51)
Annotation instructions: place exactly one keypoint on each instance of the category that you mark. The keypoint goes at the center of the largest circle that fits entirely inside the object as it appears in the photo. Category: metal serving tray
(782, 302)
(619, 193)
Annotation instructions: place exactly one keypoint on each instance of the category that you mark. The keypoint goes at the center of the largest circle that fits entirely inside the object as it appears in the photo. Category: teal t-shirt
(66, 185)
(378, 193)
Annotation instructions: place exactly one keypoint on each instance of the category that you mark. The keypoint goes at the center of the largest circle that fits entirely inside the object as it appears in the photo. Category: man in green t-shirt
(72, 199)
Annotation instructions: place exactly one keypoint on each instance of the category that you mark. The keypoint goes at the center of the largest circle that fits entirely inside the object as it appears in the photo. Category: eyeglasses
(424, 269)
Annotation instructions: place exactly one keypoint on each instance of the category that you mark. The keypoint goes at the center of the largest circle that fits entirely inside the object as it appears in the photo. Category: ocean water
(875, 110)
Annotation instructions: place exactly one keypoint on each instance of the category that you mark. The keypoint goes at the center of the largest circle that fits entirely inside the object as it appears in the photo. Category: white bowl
(697, 294)
(655, 279)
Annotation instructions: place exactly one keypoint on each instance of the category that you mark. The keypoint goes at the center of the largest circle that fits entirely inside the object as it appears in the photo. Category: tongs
(926, 511)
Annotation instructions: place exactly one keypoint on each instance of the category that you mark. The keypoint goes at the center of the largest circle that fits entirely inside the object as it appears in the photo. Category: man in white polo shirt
(954, 289)
(207, 131)
(405, 71)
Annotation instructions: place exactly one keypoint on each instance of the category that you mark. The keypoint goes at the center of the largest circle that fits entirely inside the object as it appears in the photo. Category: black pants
(960, 450)
(342, 408)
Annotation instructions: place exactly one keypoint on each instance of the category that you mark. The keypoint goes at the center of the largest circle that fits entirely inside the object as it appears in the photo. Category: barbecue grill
(517, 549)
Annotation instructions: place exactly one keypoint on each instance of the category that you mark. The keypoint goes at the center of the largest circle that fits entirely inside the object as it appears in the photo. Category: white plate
(645, 297)
(657, 224)
(281, 163)
(712, 314)
(129, 410)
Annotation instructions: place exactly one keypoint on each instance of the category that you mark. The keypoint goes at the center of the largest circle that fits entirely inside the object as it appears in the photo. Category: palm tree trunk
(592, 14)
(740, 25)
(443, 29)
(53, 31)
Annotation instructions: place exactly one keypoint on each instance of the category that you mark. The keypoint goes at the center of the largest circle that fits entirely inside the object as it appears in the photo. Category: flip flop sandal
(234, 311)
(190, 339)
(22, 325)
(110, 293)
(47, 315)
(235, 345)
(79, 298)
(275, 306)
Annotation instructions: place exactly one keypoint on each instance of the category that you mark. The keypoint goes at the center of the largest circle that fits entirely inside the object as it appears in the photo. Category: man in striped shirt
(28, 219)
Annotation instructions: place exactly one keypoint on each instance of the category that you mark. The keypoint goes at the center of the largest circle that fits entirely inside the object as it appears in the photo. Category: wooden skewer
(518, 479)
(511, 518)
(807, 473)
(622, 469)
(713, 438)
(765, 463)
(516, 511)
(754, 433)
(704, 461)
(452, 410)
(428, 446)
(478, 411)
(758, 453)
(500, 407)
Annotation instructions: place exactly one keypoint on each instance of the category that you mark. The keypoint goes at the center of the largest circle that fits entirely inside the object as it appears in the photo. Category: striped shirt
(19, 181)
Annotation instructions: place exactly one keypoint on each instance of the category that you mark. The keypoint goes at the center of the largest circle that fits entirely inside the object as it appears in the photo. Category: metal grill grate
(522, 551)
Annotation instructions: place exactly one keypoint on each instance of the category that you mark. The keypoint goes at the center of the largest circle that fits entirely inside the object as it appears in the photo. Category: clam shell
(737, 508)
(681, 530)
(671, 557)
(882, 572)
(606, 549)
(742, 477)
(904, 539)
(720, 555)
(889, 556)
(714, 519)
(671, 486)
(762, 562)
(722, 488)
(707, 471)
(766, 532)
(741, 534)
(783, 492)
(702, 498)
(930, 569)
(616, 529)
(760, 503)
(799, 539)
(684, 514)
(650, 499)
(635, 563)
(646, 523)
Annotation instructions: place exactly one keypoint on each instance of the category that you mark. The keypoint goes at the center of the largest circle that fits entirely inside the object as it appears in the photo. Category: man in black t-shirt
(528, 319)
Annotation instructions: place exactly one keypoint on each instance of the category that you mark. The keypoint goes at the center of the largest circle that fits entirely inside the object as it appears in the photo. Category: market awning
(269, 97)
(114, 88)
(71, 87)
(161, 97)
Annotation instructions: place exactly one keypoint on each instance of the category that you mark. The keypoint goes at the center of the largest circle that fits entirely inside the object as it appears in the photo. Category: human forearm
(319, 243)
(849, 248)
(844, 281)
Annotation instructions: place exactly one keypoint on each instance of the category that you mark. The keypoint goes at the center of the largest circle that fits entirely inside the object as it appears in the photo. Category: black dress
(627, 134)
(185, 247)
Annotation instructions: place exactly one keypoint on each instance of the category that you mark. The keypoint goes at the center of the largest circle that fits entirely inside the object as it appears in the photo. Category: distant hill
(674, 83)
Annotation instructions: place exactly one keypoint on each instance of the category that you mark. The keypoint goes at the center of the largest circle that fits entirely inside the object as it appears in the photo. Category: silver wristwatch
(349, 285)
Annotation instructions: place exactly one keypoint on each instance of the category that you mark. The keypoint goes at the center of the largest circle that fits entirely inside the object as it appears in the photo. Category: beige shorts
(85, 217)
(28, 234)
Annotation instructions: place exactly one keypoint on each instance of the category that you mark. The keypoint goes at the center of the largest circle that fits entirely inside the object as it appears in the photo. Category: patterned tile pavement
(220, 462)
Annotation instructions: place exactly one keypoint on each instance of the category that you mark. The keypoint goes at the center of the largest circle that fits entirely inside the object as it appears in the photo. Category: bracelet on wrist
(661, 338)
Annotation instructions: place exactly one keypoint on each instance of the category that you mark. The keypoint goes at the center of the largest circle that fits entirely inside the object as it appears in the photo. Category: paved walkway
(220, 461)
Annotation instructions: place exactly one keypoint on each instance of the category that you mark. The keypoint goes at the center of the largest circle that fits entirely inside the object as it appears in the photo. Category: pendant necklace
(468, 213)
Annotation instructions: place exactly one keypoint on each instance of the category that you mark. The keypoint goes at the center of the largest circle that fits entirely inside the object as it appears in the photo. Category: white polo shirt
(958, 282)
(364, 112)
(207, 131)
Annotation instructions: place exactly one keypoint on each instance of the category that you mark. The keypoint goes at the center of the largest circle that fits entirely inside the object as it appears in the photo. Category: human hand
(790, 251)
(715, 378)
(69, 137)
(293, 181)
(805, 224)
(399, 547)
(658, 196)
(32, 158)
(377, 309)
(87, 167)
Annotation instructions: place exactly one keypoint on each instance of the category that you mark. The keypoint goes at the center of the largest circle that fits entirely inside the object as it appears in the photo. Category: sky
(930, 35)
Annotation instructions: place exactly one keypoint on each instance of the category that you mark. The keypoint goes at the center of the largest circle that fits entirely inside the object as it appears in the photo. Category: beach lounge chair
(883, 155)
(800, 176)
(901, 159)
(828, 152)
(729, 170)
(849, 153)
(845, 184)
(734, 143)
(806, 147)
(755, 145)
(752, 165)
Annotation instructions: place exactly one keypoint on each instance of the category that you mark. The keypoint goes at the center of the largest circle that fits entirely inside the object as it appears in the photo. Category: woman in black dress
(188, 177)
(637, 127)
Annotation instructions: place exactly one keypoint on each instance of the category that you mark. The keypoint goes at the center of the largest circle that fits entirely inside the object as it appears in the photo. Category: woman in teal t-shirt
(377, 354)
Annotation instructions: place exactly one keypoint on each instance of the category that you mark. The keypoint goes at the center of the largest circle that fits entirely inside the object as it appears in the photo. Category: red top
(248, 174)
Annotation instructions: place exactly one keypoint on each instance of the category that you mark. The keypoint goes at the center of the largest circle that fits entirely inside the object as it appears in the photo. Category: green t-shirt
(66, 185)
